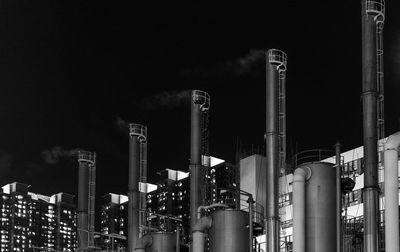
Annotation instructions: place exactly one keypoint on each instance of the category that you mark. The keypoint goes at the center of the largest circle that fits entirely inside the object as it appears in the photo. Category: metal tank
(320, 201)
(229, 231)
(162, 242)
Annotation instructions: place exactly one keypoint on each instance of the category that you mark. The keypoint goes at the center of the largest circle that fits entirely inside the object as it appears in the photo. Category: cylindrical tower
(314, 208)
(200, 103)
(372, 23)
(137, 135)
(229, 231)
(276, 63)
(86, 162)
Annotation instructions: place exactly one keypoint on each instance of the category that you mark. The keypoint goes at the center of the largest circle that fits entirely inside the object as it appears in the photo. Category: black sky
(72, 71)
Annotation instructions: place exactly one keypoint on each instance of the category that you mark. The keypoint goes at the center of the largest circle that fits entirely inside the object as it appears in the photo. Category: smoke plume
(237, 67)
(243, 65)
(6, 161)
(166, 99)
(121, 125)
(54, 155)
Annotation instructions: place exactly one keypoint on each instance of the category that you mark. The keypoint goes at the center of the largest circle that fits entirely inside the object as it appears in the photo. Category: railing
(202, 98)
(277, 57)
(311, 156)
(138, 130)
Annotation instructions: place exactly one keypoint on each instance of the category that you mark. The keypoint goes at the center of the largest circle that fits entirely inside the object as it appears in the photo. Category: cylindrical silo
(229, 231)
(320, 208)
(162, 242)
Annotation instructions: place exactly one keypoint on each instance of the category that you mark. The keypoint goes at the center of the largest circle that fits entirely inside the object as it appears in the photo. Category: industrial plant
(267, 201)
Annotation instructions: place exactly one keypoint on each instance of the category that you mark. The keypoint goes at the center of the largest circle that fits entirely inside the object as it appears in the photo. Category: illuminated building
(32, 221)
(113, 212)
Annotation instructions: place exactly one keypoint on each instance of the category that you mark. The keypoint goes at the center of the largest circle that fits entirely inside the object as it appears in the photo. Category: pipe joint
(202, 224)
(393, 142)
(303, 173)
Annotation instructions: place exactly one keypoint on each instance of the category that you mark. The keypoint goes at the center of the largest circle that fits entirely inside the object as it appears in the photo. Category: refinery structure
(317, 200)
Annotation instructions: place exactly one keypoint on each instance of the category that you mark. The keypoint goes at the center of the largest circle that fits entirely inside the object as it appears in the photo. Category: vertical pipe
(133, 186)
(83, 190)
(251, 202)
(272, 156)
(178, 249)
(198, 233)
(369, 101)
(392, 193)
(338, 199)
(299, 209)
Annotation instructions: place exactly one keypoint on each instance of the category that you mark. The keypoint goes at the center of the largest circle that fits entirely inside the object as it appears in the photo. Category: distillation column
(137, 135)
(372, 20)
(276, 63)
(87, 161)
(200, 103)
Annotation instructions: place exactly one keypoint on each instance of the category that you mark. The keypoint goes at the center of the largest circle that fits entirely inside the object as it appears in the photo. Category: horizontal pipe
(391, 189)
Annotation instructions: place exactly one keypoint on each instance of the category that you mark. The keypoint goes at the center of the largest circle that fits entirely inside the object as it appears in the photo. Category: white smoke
(54, 155)
(166, 99)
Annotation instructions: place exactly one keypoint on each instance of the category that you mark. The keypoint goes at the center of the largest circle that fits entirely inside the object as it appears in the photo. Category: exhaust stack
(200, 103)
(86, 187)
(373, 14)
(275, 70)
(137, 135)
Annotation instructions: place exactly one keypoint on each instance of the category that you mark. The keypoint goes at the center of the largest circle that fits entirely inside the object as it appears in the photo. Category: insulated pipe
(143, 243)
(198, 233)
(137, 134)
(300, 176)
(272, 154)
(392, 193)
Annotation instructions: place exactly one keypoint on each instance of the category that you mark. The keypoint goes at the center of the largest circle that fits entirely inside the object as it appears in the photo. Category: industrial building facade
(32, 222)
(251, 169)
(168, 202)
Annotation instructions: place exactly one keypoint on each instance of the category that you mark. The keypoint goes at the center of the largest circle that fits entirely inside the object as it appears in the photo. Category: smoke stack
(275, 65)
(86, 161)
(200, 103)
(137, 135)
(372, 20)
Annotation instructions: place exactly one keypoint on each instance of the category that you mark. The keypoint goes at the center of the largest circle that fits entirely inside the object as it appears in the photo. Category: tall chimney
(372, 17)
(137, 135)
(276, 62)
(86, 160)
(200, 103)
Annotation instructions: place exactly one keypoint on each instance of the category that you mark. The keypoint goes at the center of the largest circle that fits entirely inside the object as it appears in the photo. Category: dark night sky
(72, 71)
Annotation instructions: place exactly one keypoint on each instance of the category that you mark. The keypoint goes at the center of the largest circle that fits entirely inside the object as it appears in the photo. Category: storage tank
(320, 211)
(229, 231)
(162, 242)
